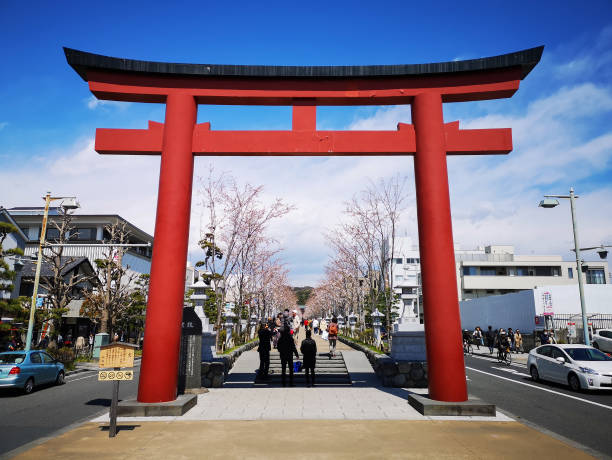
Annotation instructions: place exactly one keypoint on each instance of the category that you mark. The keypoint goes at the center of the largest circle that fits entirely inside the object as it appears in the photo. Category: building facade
(487, 271)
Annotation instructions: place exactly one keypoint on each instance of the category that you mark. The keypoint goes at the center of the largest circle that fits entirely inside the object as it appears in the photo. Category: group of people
(282, 333)
(502, 339)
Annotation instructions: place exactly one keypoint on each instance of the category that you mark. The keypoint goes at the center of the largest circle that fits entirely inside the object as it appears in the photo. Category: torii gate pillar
(167, 282)
(445, 366)
(183, 86)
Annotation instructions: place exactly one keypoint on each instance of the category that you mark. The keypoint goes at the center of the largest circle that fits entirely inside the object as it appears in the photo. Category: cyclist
(503, 344)
(466, 341)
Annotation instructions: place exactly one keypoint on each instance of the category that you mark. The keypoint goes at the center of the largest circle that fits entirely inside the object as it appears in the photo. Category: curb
(80, 370)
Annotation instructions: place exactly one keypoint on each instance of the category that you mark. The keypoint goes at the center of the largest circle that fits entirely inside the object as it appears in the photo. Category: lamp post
(551, 202)
(69, 202)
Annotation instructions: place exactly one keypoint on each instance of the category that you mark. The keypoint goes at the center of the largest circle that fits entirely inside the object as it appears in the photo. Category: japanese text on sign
(116, 357)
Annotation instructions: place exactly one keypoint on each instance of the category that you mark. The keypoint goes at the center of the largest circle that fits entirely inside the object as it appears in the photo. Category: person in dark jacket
(286, 349)
(309, 354)
(490, 336)
(265, 336)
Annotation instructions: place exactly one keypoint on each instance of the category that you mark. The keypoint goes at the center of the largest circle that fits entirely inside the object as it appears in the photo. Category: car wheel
(60, 378)
(29, 386)
(535, 375)
(574, 382)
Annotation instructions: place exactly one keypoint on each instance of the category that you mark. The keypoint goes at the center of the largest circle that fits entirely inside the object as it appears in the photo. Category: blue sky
(561, 115)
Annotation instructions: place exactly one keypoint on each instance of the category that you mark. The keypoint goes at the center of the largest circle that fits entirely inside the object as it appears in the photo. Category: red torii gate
(183, 86)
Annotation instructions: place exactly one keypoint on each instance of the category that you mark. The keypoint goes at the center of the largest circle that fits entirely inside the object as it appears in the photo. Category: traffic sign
(115, 375)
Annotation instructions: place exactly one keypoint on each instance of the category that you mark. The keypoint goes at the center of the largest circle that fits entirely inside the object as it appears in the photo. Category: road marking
(82, 378)
(512, 371)
(540, 388)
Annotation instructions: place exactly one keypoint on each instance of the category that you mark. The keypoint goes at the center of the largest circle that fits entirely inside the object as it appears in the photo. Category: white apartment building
(495, 270)
(486, 271)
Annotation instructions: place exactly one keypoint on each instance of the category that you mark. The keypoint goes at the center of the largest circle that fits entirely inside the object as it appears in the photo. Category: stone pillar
(190, 358)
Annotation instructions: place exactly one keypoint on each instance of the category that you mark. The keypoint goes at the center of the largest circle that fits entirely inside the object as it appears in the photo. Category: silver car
(602, 340)
(578, 366)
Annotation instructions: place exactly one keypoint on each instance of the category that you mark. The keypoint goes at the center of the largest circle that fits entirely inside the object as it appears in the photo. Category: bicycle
(504, 356)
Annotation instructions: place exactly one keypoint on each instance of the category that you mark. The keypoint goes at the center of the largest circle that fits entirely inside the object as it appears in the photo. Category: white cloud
(93, 103)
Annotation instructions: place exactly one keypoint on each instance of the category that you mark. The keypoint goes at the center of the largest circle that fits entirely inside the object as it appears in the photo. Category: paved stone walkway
(365, 400)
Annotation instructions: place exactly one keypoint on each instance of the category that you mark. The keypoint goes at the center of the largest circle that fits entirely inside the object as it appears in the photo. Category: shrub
(64, 355)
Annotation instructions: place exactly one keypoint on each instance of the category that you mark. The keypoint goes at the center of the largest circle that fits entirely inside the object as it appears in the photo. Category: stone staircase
(329, 372)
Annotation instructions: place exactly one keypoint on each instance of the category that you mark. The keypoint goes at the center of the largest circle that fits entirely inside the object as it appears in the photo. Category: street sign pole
(112, 429)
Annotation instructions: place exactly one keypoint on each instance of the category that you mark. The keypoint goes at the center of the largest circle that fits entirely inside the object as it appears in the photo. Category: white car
(602, 340)
(578, 366)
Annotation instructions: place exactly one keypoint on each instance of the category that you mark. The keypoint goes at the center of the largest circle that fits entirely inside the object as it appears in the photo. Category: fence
(598, 320)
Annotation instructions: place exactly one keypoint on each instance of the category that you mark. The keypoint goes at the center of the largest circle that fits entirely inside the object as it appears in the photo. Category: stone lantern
(253, 325)
(208, 333)
(229, 316)
(352, 321)
(340, 322)
(377, 323)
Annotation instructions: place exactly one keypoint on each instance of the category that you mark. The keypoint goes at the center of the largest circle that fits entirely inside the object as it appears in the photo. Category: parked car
(602, 340)
(24, 370)
(579, 366)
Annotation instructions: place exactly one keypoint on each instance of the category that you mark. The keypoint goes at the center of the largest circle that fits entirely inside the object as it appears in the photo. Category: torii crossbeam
(183, 86)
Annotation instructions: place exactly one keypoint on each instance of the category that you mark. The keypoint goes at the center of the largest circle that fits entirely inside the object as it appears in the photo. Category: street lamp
(68, 202)
(551, 202)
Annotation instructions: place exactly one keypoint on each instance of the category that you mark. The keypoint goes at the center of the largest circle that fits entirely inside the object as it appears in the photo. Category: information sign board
(117, 355)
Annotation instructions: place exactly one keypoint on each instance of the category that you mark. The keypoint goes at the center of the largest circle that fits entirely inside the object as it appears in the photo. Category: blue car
(23, 370)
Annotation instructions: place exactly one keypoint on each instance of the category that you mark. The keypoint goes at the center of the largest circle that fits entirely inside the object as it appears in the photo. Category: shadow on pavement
(104, 402)
(121, 428)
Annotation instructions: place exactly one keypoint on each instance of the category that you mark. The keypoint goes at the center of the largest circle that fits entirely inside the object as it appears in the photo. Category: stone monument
(190, 358)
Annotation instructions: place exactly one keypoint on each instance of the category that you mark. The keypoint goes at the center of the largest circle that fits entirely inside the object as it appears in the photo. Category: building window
(469, 271)
(406, 290)
(85, 234)
(486, 271)
(570, 273)
(398, 261)
(53, 234)
(595, 276)
(399, 278)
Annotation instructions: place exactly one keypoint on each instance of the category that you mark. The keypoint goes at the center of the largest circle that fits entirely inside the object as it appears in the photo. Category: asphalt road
(581, 417)
(26, 418)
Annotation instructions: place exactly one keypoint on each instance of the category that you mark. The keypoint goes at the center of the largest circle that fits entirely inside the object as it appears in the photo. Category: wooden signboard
(117, 355)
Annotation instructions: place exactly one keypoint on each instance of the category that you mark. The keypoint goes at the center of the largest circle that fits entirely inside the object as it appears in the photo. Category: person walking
(511, 339)
(477, 337)
(322, 326)
(286, 348)
(295, 325)
(315, 325)
(309, 355)
(265, 336)
(518, 341)
(332, 330)
(490, 336)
